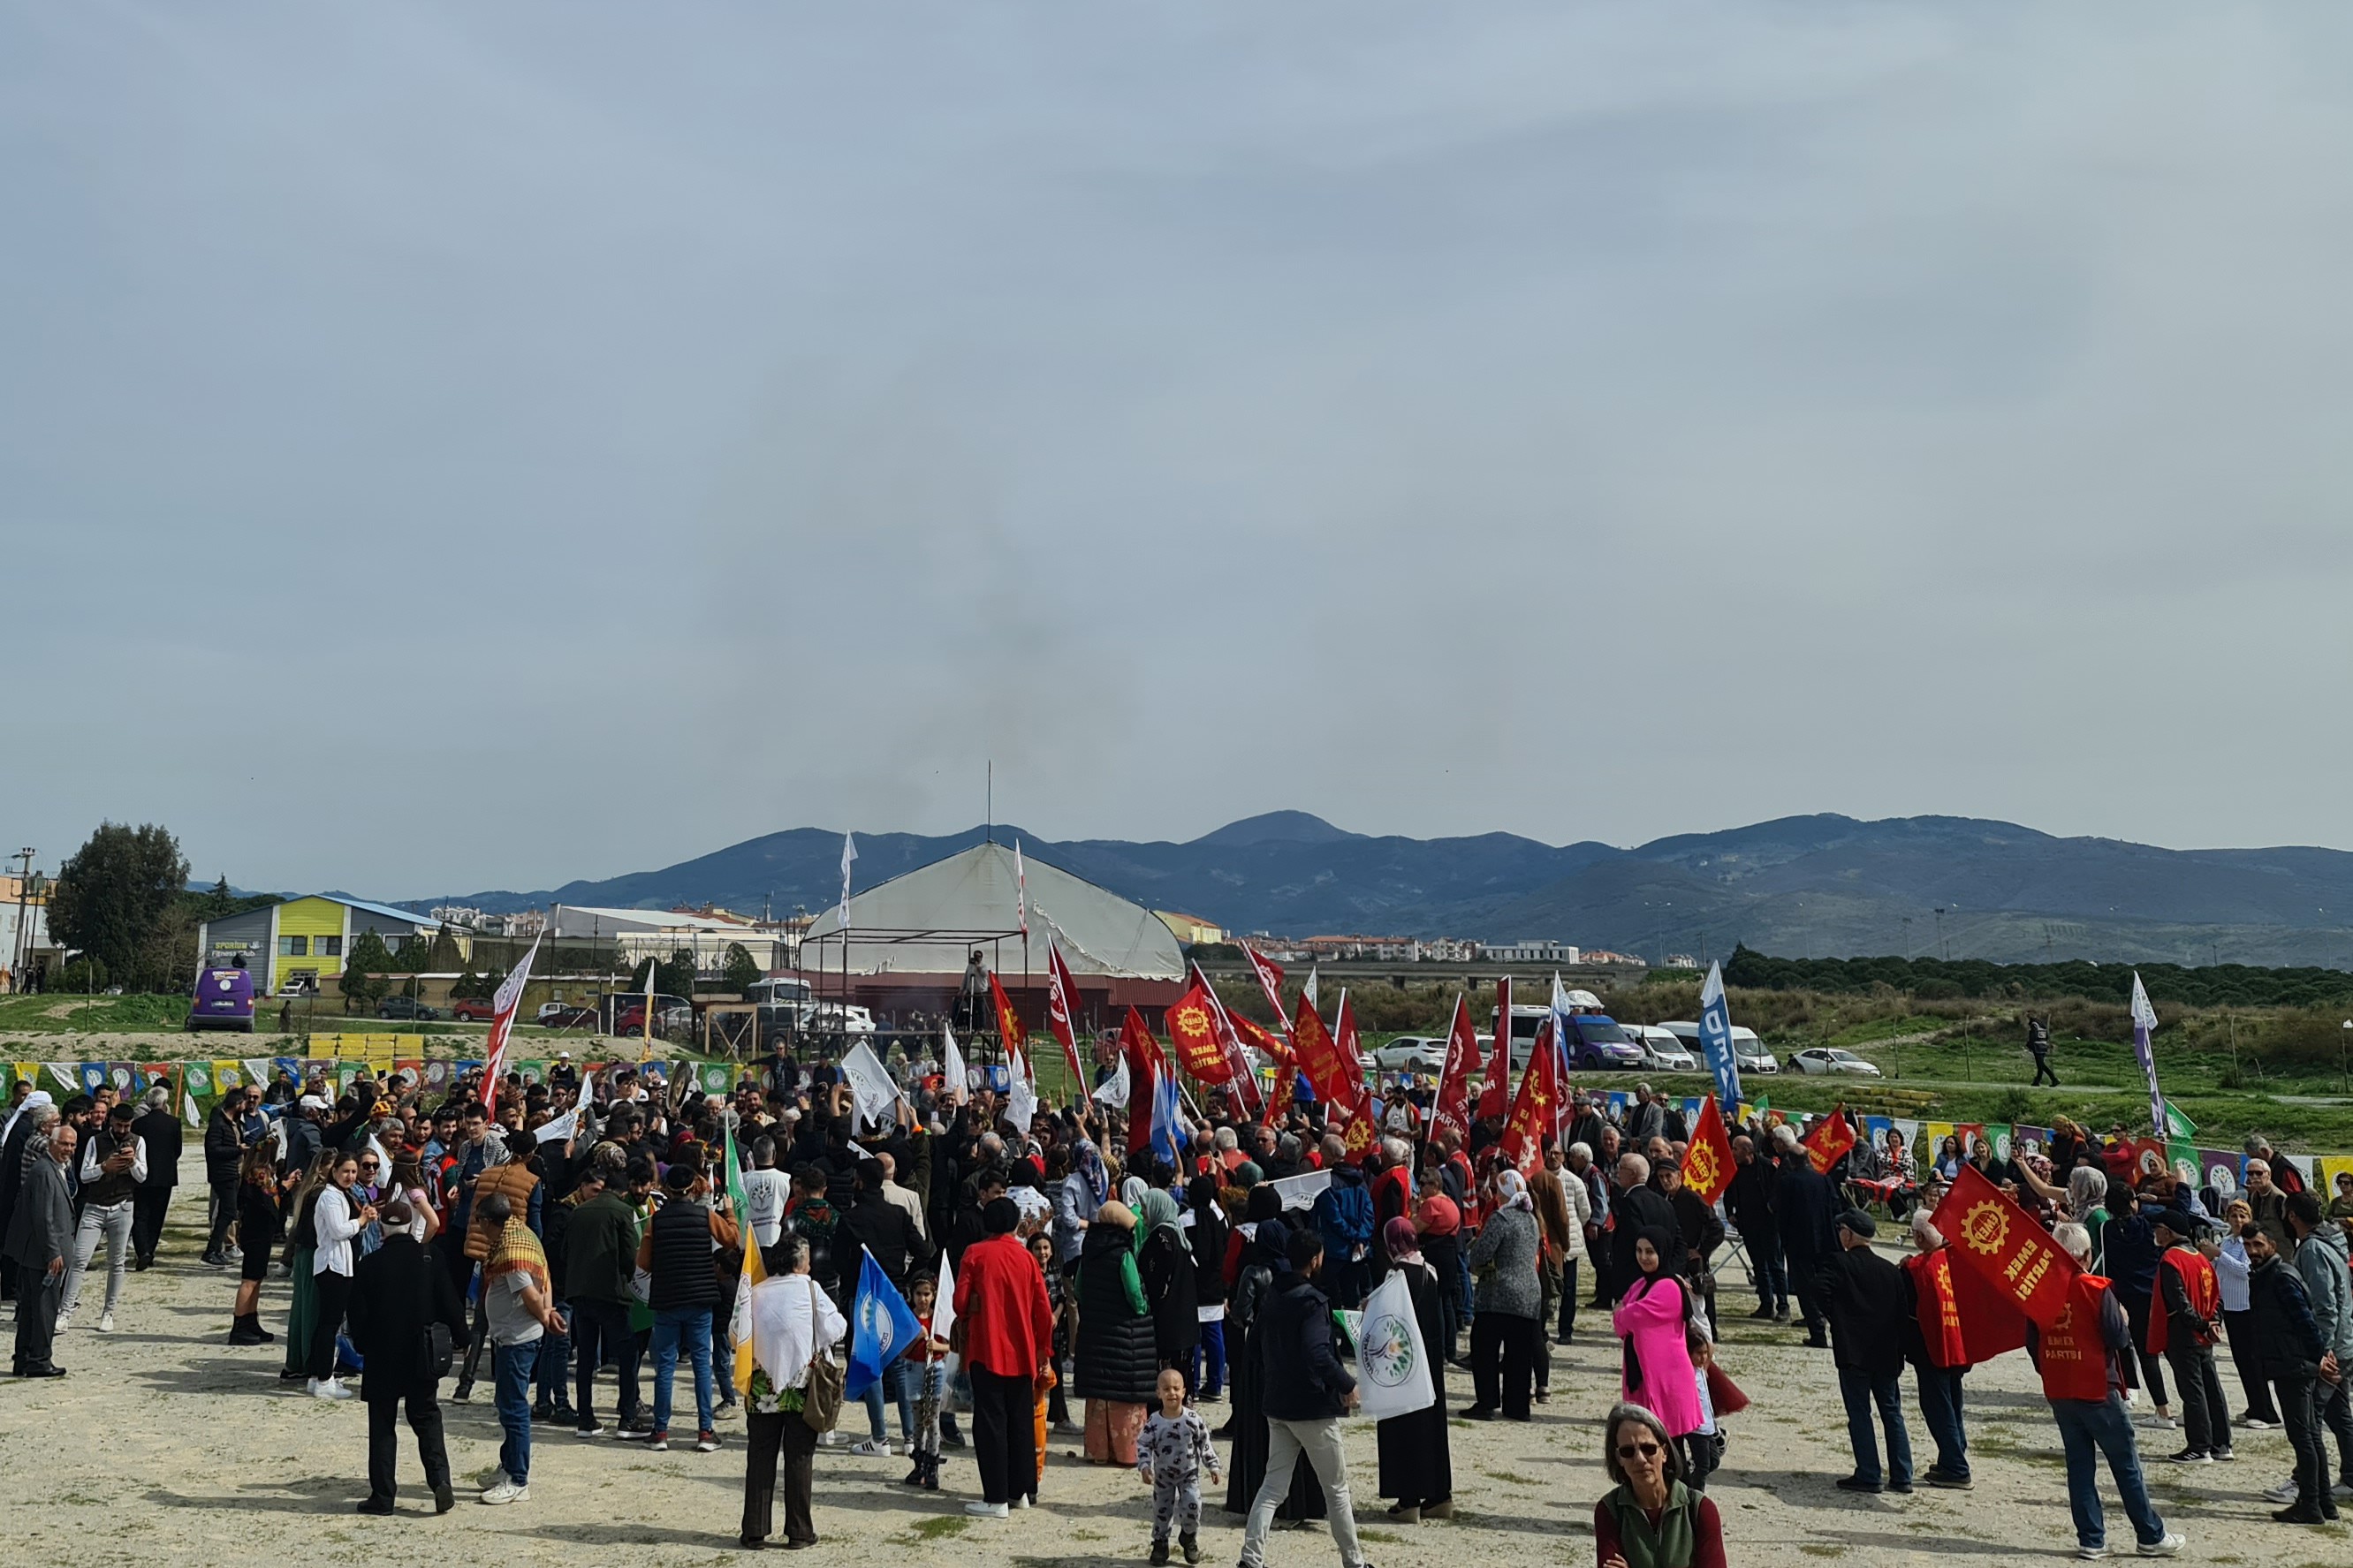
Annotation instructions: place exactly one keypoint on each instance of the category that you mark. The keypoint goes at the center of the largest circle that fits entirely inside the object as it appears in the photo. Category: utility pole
(20, 949)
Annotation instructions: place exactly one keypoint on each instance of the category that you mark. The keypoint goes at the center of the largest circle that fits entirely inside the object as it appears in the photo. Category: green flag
(738, 1198)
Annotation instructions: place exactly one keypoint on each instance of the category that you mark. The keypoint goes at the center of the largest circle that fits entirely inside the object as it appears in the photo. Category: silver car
(1830, 1059)
(1411, 1053)
(1662, 1051)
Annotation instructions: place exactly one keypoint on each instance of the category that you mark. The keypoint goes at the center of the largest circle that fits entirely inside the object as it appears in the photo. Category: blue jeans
(2088, 1429)
(674, 1327)
(511, 1370)
(1940, 1407)
(1860, 1391)
(895, 1382)
(1209, 1360)
(554, 1373)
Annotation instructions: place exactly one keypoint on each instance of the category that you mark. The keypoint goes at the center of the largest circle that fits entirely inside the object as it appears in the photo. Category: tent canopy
(928, 920)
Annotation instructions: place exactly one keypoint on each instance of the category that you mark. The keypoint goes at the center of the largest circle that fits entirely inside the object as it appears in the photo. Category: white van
(1749, 1052)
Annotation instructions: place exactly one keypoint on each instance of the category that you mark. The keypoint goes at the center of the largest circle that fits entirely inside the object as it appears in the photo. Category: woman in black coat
(1267, 1254)
(1417, 1469)
(1118, 1361)
(1205, 1374)
(1169, 1287)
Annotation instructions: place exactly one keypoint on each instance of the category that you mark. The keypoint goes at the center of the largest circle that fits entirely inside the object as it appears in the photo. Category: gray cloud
(443, 447)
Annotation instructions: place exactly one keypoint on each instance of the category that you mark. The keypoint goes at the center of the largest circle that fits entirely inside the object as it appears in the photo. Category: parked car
(476, 1009)
(300, 986)
(668, 1013)
(1662, 1051)
(565, 1015)
(1411, 1053)
(1830, 1059)
(406, 1007)
(1597, 1042)
(223, 1000)
(1749, 1052)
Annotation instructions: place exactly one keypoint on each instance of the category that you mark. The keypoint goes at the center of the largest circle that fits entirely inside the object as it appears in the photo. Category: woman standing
(301, 1252)
(1205, 1372)
(1269, 1254)
(1164, 1259)
(789, 1322)
(2229, 1259)
(1649, 1519)
(1506, 1303)
(1117, 1362)
(1415, 1468)
(258, 1191)
(1654, 1321)
(1057, 1301)
(337, 1218)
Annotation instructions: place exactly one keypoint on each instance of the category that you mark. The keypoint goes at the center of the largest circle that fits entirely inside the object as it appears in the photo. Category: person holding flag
(882, 1328)
(894, 1248)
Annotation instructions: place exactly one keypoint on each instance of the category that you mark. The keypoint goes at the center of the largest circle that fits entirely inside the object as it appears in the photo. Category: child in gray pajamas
(1171, 1452)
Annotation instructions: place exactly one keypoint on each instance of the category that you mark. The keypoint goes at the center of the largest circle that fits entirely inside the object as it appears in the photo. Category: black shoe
(462, 1392)
(444, 1500)
(914, 1476)
(1562, 1340)
(374, 1505)
(2299, 1515)
(1950, 1482)
(1818, 1341)
(47, 1369)
(1479, 1413)
(1763, 1313)
(1159, 1554)
(750, 1543)
(1901, 1489)
(542, 1412)
(1857, 1484)
(1192, 1547)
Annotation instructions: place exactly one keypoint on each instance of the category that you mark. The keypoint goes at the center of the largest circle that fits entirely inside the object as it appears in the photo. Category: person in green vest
(1649, 1519)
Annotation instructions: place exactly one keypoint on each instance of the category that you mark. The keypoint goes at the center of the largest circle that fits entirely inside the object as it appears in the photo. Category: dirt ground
(168, 1443)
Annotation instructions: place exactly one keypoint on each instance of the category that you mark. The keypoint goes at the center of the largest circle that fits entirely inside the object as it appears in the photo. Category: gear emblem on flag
(1699, 1166)
(1192, 1019)
(1984, 1228)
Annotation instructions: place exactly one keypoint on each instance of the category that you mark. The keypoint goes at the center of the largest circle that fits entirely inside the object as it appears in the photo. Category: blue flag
(1164, 1141)
(1716, 1039)
(882, 1327)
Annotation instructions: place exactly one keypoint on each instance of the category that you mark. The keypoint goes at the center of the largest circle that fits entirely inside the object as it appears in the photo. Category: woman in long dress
(1652, 1321)
(1268, 1256)
(1417, 1469)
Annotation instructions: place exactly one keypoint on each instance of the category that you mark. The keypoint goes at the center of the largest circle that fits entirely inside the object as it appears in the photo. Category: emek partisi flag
(1707, 1159)
(1193, 1026)
(1998, 1242)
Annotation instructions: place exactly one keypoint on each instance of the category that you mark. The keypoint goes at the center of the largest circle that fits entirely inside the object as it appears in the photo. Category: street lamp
(2344, 1035)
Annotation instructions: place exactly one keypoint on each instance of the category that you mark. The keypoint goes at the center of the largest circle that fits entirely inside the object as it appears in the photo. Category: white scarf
(38, 1098)
(792, 1320)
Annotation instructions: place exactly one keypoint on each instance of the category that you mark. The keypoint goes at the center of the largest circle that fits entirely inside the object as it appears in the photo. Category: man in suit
(1637, 1206)
(398, 1292)
(159, 1131)
(40, 1234)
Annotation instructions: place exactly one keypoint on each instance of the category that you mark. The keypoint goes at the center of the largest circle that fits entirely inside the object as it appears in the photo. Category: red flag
(1278, 1104)
(1193, 1029)
(1707, 1159)
(1063, 1011)
(1350, 1045)
(1990, 1321)
(1144, 1061)
(1008, 1021)
(1319, 1057)
(1270, 979)
(1259, 1037)
(502, 1017)
(1451, 1111)
(1495, 1091)
(1828, 1143)
(1997, 1241)
(1230, 1043)
(1535, 1106)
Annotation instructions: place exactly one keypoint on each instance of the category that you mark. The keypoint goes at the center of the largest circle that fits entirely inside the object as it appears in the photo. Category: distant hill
(1801, 886)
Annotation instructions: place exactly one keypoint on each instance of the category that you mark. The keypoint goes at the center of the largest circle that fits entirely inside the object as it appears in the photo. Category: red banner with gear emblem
(2000, 1244)
(1537, 1106)
(1193, 1025)
(1707, 1159)
(1826, 1145)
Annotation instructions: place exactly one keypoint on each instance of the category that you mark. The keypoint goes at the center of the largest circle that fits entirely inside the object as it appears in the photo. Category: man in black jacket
(874, 1222)
(2294, 1354)
(1304, 1391)
(1635, 1207)
(1749, 1201)
(159, 1131)
(224, 1152)
(399, 1293)
(1805, 1203)
(1869, 1301)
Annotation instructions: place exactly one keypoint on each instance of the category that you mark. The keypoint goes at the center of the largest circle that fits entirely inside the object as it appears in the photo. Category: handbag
(821, 1399)
(440, 1352)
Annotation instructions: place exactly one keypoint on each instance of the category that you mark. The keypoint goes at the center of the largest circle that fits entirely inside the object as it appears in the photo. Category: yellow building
(302, 938)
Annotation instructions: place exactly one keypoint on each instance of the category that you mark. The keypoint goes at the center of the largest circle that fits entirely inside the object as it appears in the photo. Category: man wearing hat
(1868, 1300)
(564, 1075)
(2184, 1329)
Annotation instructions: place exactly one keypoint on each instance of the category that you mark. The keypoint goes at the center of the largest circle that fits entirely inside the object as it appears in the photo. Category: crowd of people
(590, 1235)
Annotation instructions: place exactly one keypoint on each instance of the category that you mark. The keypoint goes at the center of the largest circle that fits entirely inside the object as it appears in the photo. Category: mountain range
(1822, 885)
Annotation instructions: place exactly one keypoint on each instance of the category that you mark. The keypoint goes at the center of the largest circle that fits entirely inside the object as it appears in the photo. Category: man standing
(1582, 1175)
(520, 1310)
(1647, 1120)
(2183, 1325)
(1304, 1391)
(1941, 1356)
(2269, 1202)
(113, 1163)
(158, 1131)
(1749, 1201)
(224, 1152)
(1804, 1204)
(1005, 1329)
(765, 1188)
(2294, 1358)
(40, 1234)
(2321, 1264)
(2038, 1046)
(2081, 1359)
(1868, 1301)
(1344, 1215)
(398, 1294)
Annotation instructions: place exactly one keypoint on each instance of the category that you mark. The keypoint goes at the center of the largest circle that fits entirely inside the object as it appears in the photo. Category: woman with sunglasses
(1649, 1519)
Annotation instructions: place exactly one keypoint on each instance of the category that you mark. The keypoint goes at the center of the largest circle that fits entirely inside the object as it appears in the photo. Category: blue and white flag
(1561, 1032)
(882, 1327)
(1166, 1141)
(1715, 1038)
(2144, 1018)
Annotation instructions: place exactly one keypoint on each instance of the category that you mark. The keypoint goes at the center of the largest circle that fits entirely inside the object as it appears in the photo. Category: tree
(741, 971)
(444, 955)
(364, 970)
(112, 897)
(470, 987)
(411, 955)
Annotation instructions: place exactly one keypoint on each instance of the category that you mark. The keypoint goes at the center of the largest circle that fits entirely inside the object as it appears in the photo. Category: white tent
(928, 920)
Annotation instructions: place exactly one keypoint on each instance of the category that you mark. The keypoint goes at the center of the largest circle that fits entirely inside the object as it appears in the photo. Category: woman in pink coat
(1651, 1322)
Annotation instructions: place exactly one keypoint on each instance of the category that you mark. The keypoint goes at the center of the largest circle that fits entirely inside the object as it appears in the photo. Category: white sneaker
(2091, 1553)
(506, 1493)
(106, 1323)
(872, 1449)
(1022, 1501)
(332, 1388)
(987, 1510)
(2171, 1546)
(2161, 1424)
(65, 1322)
(2283, 1493)
(833, 1439)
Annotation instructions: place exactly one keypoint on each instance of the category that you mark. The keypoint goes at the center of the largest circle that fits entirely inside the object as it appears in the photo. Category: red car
(475, 1008)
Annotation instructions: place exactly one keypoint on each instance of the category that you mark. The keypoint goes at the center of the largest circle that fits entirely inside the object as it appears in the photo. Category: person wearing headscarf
(1416, 1467)
(1164, 1258)
(1439, 1222)
(1651, 1322)
(38, 1111)
(1118, 1362)
(1205, 1372)
(1267, 1258)
(1508, 1302)
(1076, 1198)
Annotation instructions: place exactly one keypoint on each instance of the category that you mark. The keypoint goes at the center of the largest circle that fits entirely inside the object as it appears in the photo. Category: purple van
(224, 1000)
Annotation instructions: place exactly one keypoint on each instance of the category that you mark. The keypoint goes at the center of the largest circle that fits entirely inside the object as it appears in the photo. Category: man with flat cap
(1868, 1300)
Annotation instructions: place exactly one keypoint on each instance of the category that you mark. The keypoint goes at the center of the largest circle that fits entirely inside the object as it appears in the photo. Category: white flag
(1392, 1362)
(502, 1017)
(1020, 889)
(870, 1087)
(1021, 1104)
(561, 1127)
(1113, 1091)
(944, 1306)
(848, 852)
(1308, 990)
(953, 1082)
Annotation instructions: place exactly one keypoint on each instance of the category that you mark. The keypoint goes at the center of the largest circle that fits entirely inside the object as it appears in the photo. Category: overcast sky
(445, 447)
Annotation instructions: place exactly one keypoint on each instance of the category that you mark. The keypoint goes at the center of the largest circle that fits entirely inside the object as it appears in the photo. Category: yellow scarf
(517, 1249)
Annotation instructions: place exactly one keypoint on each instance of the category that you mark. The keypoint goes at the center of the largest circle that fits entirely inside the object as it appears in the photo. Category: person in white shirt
(904, 1197)
(113, 1163)
(337, 1217)
(765, 1188)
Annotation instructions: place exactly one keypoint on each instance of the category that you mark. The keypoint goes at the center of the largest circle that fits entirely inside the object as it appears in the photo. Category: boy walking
(1171, 1452)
